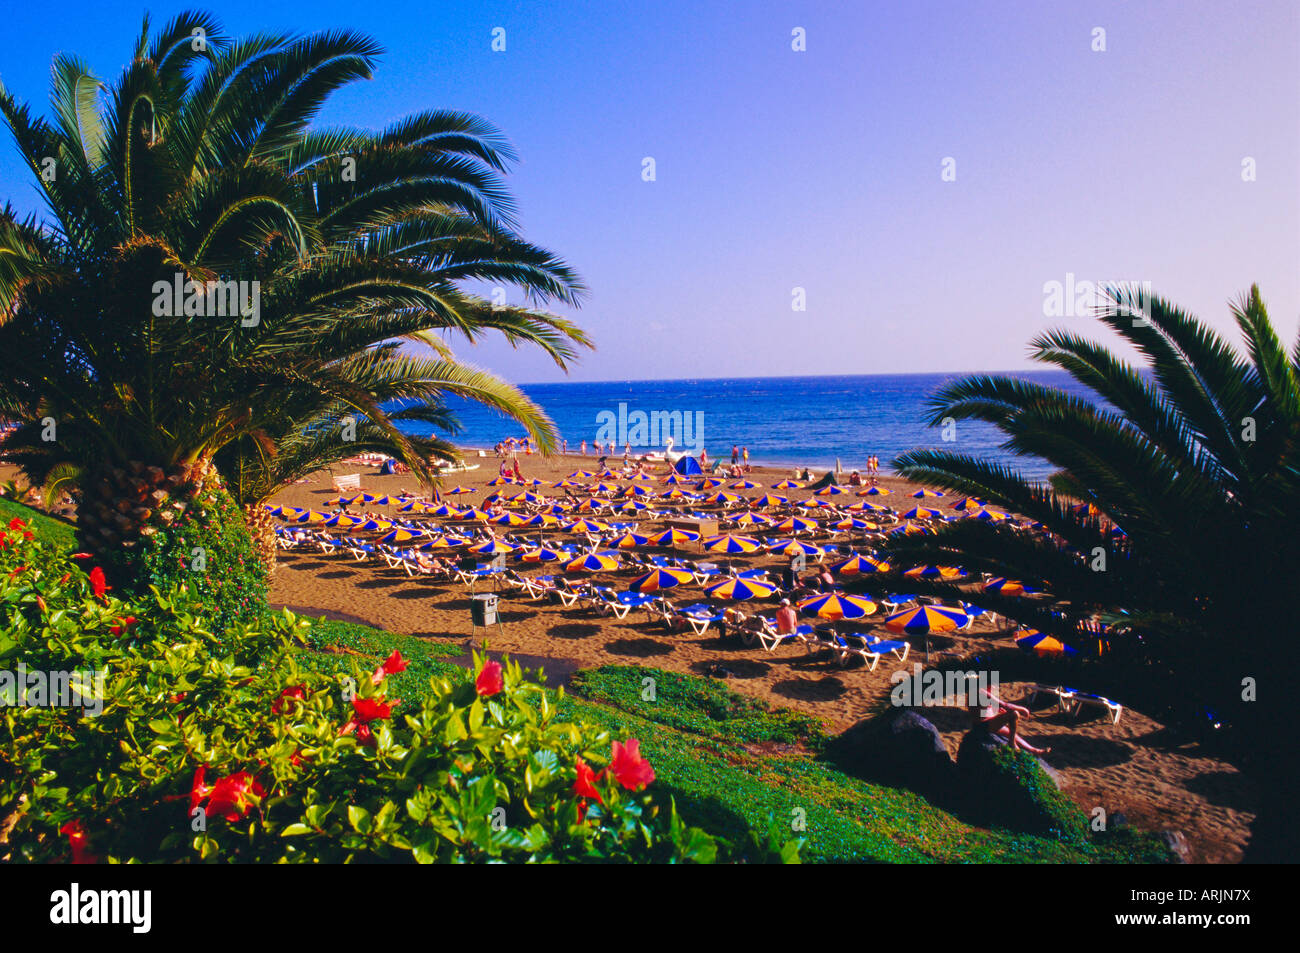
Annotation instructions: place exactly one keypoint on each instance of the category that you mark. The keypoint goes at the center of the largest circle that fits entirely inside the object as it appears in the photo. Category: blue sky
(821, 169)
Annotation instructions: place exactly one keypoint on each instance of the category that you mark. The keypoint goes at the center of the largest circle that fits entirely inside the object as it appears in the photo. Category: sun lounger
(1073, 701)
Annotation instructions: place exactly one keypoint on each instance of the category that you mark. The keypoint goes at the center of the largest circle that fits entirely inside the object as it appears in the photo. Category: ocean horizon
(813, 421)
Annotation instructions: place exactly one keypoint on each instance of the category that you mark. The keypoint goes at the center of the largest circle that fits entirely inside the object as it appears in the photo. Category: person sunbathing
(1002, 719)
(787, 620)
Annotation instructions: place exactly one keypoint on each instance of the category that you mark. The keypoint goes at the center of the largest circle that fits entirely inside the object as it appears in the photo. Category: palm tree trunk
(261, 525)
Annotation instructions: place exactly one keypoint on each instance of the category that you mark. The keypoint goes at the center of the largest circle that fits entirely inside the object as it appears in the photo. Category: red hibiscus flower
(77, 839)
(489, 681)
(584, 786)
(17, 523)
(123, 625)
(198, 790)
(232, 796)
(391, 666)
(628, 767)
(281, 704)
(98, 583)
(364, 711)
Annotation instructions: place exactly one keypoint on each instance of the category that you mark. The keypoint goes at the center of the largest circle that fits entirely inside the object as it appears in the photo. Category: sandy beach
(1126, 768)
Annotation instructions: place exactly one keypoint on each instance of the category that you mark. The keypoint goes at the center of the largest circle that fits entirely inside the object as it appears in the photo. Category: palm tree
(1174, 512)
(210, 259)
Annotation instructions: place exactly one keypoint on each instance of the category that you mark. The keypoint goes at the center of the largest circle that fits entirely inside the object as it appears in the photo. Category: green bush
(1021, 796)
(209, 551)
(222, 747)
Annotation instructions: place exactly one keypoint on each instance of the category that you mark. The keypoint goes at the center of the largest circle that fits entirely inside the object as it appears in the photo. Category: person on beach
(566, 447)
(744, 458)
(517, 473)
(704, 459)
(787, 620)
(735, 454)
(582, 448)
(1000, 718)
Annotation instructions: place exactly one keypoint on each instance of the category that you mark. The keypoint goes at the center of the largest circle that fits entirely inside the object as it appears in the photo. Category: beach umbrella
(768, 500)
(474, 513)
(541, 519)
(753, 519)
(558, 509)
(500, 481)
(343, 519)
(311, 516)
(1031, 640)
(921, 513)
(673, 494)
(633, 506)
(983, 513)
(722, 498)
(491, 547)
(274, 510)
(968, 503)
(712, 483)
(922, 494)
(740, 589)
(788, 485)
(384, 500)
(581, 475)
(1085, 509)
(926, 619)
(631, 540)
(588, 506)
(859, 565)
(834, 606)
(445, 509)
(533, 482)
(402, 535)
(866, 506)
(850, 523)
(727, 543)
(636, 489)
(508, 519)
(911, 529)
(591, 562)
(657, 579)
(874, 491)
(410, 505)
(445, 542)
(935, 572)
(793, 547)
(605, 488)
(796, 524)
(831, 489)
(743, 485)
(674, 537)
(1009, 587)
(524, 497)
(374, 526)
(675, 478)
(543, 555)
(586, 526)
(343, 500)
(457, 490)
(814, 504)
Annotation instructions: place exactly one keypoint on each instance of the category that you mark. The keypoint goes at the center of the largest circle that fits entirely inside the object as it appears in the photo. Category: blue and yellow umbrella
(740, 589)
(793, 547)
(921, 513)
(1009, 587)
(834, 606)
(445, 509)
(631, 540)
(788, 485)
(769, 500)
(743, 485)
(457, 490)
(586, 526)
(874, 491)
(591, 562)
(674, 537)
(727, 543)
(859, 565)
(375, 526)
(543, 555)
(796, 524)
(968, 503)
(657, 579)
(491, 547)
(832, 489)
(925, 619)
(403, 535)
(935, 572)
(923, 494)
(343, 519)
(753, 519)
(1031, 640)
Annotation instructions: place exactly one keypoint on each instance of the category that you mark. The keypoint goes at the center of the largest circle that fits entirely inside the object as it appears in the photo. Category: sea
(784, 421)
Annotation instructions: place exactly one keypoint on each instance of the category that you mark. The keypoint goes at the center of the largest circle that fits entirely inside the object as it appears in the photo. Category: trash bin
(483, 609)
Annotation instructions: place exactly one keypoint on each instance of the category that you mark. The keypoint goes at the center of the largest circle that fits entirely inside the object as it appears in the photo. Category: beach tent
(688, 466)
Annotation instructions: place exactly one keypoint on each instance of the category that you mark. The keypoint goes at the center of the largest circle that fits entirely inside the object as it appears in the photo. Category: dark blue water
(782, 420)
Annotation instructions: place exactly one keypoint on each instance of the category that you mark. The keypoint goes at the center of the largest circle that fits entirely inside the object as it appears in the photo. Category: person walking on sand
(1000, 718)
(582, 448)
(518, 475)
(735, 454)
(565, 450)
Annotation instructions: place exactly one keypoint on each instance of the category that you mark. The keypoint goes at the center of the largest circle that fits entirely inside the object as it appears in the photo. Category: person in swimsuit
(1001, 718)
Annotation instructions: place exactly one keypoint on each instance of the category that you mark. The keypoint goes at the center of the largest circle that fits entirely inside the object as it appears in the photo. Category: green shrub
(1023, 797)
(209, 551)
(224, 748)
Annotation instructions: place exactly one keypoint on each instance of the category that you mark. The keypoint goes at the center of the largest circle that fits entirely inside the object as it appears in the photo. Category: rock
(1006, 788)
(901, 748)
(1177, 845)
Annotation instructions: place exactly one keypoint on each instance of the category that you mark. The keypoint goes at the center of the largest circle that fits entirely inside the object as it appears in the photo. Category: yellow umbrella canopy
(657, 579)
(591, 562)
(835, 606)
(732, 544)
(741, 589)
